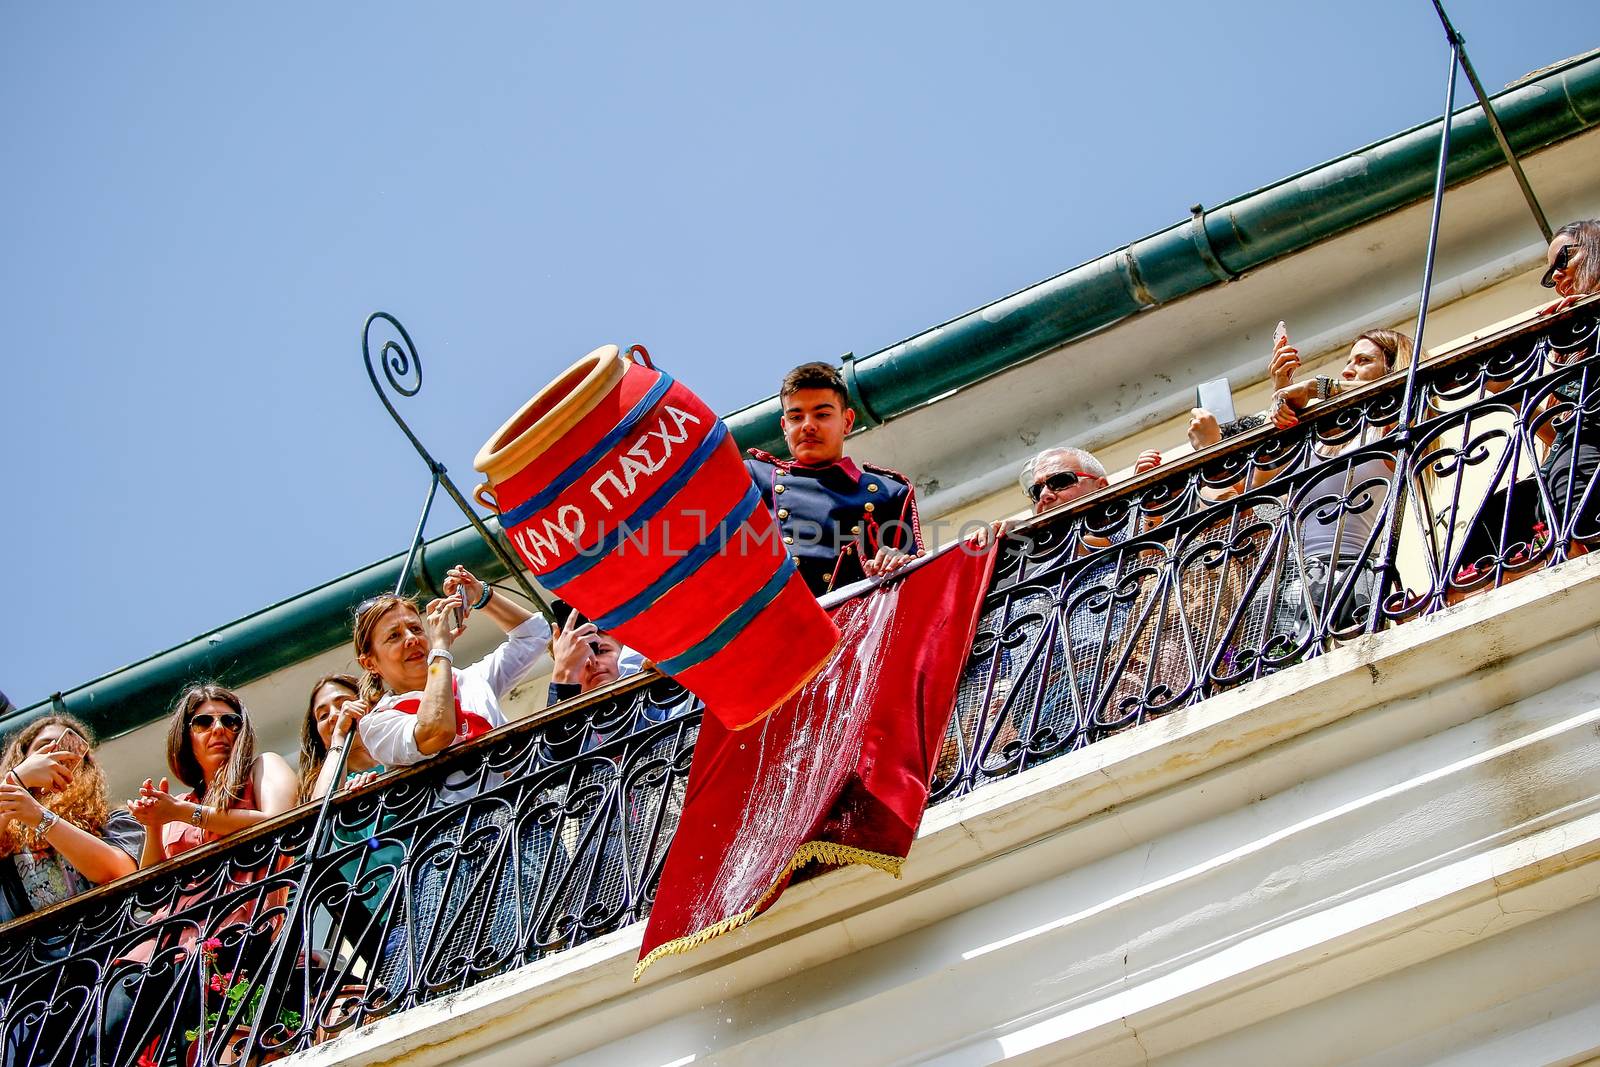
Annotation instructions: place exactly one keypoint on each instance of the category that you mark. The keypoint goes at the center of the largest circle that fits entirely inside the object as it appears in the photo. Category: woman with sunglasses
(211, 748)
(1573, 264)
(1573, 271)
(59, 835)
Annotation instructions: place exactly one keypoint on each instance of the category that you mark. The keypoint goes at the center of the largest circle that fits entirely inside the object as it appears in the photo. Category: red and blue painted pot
(627, 497)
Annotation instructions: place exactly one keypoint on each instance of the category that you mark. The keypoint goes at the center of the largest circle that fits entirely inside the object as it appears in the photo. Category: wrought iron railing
(1151, 596)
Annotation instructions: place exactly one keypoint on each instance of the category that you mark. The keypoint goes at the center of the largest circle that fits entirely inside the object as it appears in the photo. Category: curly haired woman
(59, 836)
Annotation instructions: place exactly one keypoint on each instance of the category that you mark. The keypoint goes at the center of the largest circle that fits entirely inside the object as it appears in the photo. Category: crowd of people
(843, 521)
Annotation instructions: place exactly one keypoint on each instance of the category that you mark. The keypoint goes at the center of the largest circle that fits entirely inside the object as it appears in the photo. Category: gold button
(788, 540)
(872, 487)
(868, 505)
(856, 528)
(783, 513)
(777, 488)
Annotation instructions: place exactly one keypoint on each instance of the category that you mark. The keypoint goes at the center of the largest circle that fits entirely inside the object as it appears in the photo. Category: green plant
(234, 988)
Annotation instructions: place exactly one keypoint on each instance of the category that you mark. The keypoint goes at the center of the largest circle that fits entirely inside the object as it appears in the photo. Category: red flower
(211, 944)
(147, 1058)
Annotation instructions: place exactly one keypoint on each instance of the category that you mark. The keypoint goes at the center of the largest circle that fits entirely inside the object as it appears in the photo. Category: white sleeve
(505, 666)
(391, 737)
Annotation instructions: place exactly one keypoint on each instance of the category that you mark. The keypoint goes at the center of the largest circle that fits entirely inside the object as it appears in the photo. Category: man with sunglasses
(1059, 476)
(840, 520)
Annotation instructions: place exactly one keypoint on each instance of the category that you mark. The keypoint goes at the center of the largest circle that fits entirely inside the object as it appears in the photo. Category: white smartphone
(1217, 398)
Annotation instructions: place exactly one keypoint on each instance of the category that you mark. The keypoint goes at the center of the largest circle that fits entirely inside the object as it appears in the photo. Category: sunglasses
(1059, 482)
(228, 719)
(1563, 258)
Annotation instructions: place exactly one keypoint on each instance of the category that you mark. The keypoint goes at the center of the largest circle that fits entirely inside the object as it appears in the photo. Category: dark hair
(312, 751)
(814, 376)
(1395, 346)
(1585, 233)
(231, 781)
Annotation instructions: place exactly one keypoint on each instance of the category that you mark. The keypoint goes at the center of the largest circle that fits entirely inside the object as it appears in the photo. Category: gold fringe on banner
(827, 852)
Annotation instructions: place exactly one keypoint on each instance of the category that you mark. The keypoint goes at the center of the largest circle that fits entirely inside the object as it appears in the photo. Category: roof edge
(1207, 249)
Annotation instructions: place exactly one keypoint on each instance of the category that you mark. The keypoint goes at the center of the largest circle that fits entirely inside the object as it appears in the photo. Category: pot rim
(553, 411)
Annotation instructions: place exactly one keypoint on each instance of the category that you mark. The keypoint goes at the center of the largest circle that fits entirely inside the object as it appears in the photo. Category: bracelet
(441, 653)
(47, 822)
(335, 748)
(488, 594)
(199, 816)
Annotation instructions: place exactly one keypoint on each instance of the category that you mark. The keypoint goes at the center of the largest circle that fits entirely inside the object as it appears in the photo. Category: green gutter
(257, 645)
(1205, 250)
(1200, 252)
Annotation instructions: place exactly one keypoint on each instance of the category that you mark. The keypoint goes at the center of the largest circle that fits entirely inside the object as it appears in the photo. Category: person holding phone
(585, 656)
(59, 835)
(415, 702)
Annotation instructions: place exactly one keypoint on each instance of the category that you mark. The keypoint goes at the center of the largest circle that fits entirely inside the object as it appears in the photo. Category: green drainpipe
(1208, 248)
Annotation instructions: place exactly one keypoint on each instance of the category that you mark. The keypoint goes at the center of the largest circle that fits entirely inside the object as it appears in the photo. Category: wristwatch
(47, 822)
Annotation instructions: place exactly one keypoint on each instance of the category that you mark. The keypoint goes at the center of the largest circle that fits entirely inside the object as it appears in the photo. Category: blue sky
(204, 201)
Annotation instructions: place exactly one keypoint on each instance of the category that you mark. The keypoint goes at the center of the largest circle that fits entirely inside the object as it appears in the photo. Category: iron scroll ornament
(400, 363)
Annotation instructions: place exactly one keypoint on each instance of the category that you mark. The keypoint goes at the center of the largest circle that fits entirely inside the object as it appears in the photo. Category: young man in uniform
(840, 520)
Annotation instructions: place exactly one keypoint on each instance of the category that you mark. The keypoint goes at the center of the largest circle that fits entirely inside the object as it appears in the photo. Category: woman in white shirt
(421, 702)
(458, 906)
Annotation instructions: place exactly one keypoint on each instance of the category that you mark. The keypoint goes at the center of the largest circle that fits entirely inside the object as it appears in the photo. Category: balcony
(1146, 658)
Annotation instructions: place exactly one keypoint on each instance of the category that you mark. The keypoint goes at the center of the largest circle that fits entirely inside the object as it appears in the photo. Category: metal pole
(1460, 45)
(401, 361)
(1406, 413)
(294, 912)
(1402, 467)
(416, 538)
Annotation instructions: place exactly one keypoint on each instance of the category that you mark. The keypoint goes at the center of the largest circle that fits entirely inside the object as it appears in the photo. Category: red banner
(838, 773)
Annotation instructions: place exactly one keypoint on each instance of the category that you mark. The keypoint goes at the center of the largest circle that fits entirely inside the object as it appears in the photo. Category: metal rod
(1460, 44)
(416, 538)
(1406, 413)
(401, 361)
(296, 904)
(1402, 468)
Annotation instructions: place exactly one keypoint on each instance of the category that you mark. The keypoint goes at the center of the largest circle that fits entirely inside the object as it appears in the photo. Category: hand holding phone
(1285, 358)
(1216, 397)
(73, 743)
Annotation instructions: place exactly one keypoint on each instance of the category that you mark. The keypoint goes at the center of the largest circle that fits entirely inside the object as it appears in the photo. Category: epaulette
(766, 457)
(881, 469)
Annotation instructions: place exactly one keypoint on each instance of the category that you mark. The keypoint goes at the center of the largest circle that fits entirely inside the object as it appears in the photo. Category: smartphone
(72, 743)
(1280, 334)
(458, 610)
(1217, 398)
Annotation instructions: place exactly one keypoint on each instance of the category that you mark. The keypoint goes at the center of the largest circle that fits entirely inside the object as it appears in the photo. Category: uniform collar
(844, 463)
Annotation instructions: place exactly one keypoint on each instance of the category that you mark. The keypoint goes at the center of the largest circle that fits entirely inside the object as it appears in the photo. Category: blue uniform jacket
(832, 517)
